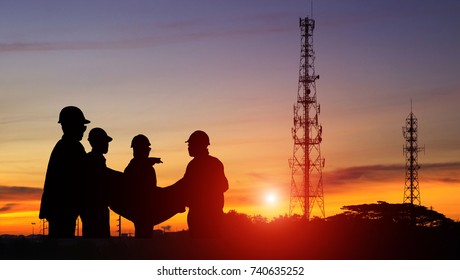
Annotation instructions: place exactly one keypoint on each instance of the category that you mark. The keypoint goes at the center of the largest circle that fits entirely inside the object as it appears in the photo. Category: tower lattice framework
(410, 150)
(306, 163)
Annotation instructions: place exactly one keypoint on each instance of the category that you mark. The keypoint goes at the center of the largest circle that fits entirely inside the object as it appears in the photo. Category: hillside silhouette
(380, 231)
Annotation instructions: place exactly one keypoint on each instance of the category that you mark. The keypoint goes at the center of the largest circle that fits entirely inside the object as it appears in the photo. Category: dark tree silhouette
(400, 214)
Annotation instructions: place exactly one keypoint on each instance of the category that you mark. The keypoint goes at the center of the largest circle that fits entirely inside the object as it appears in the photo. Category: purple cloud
(19, 193)
(335, 180)
(8, 207)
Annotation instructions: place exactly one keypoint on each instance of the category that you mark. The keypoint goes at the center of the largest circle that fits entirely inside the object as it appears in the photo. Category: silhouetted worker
(204, 184)
(142, 180)
(95, 215)
(64, 177)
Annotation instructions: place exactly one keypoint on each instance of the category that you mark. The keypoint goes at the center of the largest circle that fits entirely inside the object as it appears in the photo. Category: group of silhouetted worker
(80, 184)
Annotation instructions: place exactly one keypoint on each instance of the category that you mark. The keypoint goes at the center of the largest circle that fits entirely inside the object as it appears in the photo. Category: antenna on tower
(311, 8)
(410, 150)
(306, 163)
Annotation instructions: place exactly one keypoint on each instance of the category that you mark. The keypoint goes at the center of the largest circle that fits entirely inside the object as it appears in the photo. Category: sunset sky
(230, 68)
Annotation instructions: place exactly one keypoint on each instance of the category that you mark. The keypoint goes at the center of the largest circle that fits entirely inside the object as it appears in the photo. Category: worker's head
(141, 146)
(73, 122)
(99, 140)
(198, 143)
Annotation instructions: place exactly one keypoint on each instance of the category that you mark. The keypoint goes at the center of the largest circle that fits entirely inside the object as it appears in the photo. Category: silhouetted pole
(43, 227)
(78, 226)
(119, 225)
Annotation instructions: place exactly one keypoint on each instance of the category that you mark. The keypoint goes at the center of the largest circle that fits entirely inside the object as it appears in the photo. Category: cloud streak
(373, 175)
(14, 194)
(7, 207)
(136, 43)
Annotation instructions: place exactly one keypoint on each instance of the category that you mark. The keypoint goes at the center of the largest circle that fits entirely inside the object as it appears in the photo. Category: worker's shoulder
(214, 161)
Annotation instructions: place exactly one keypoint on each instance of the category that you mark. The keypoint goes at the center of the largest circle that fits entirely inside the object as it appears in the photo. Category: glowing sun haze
(230, 68)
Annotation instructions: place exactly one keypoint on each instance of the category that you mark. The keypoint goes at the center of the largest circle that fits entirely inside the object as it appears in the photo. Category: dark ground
(325, 241)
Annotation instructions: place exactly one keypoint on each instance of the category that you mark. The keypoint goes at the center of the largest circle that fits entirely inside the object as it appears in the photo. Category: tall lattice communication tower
(410, 150)
(306, 163)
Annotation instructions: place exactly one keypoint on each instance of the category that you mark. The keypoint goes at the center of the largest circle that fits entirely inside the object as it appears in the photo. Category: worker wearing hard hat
(96, 190)
(141, 181)
(60, 203)
(204, 184)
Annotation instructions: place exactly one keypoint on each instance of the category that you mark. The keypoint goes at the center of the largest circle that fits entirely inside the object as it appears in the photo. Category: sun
(271, 198)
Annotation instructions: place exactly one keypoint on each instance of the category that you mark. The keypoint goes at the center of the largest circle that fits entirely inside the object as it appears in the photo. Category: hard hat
(72, 114)
(98, 133)
(199, 137)
(139, 141)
